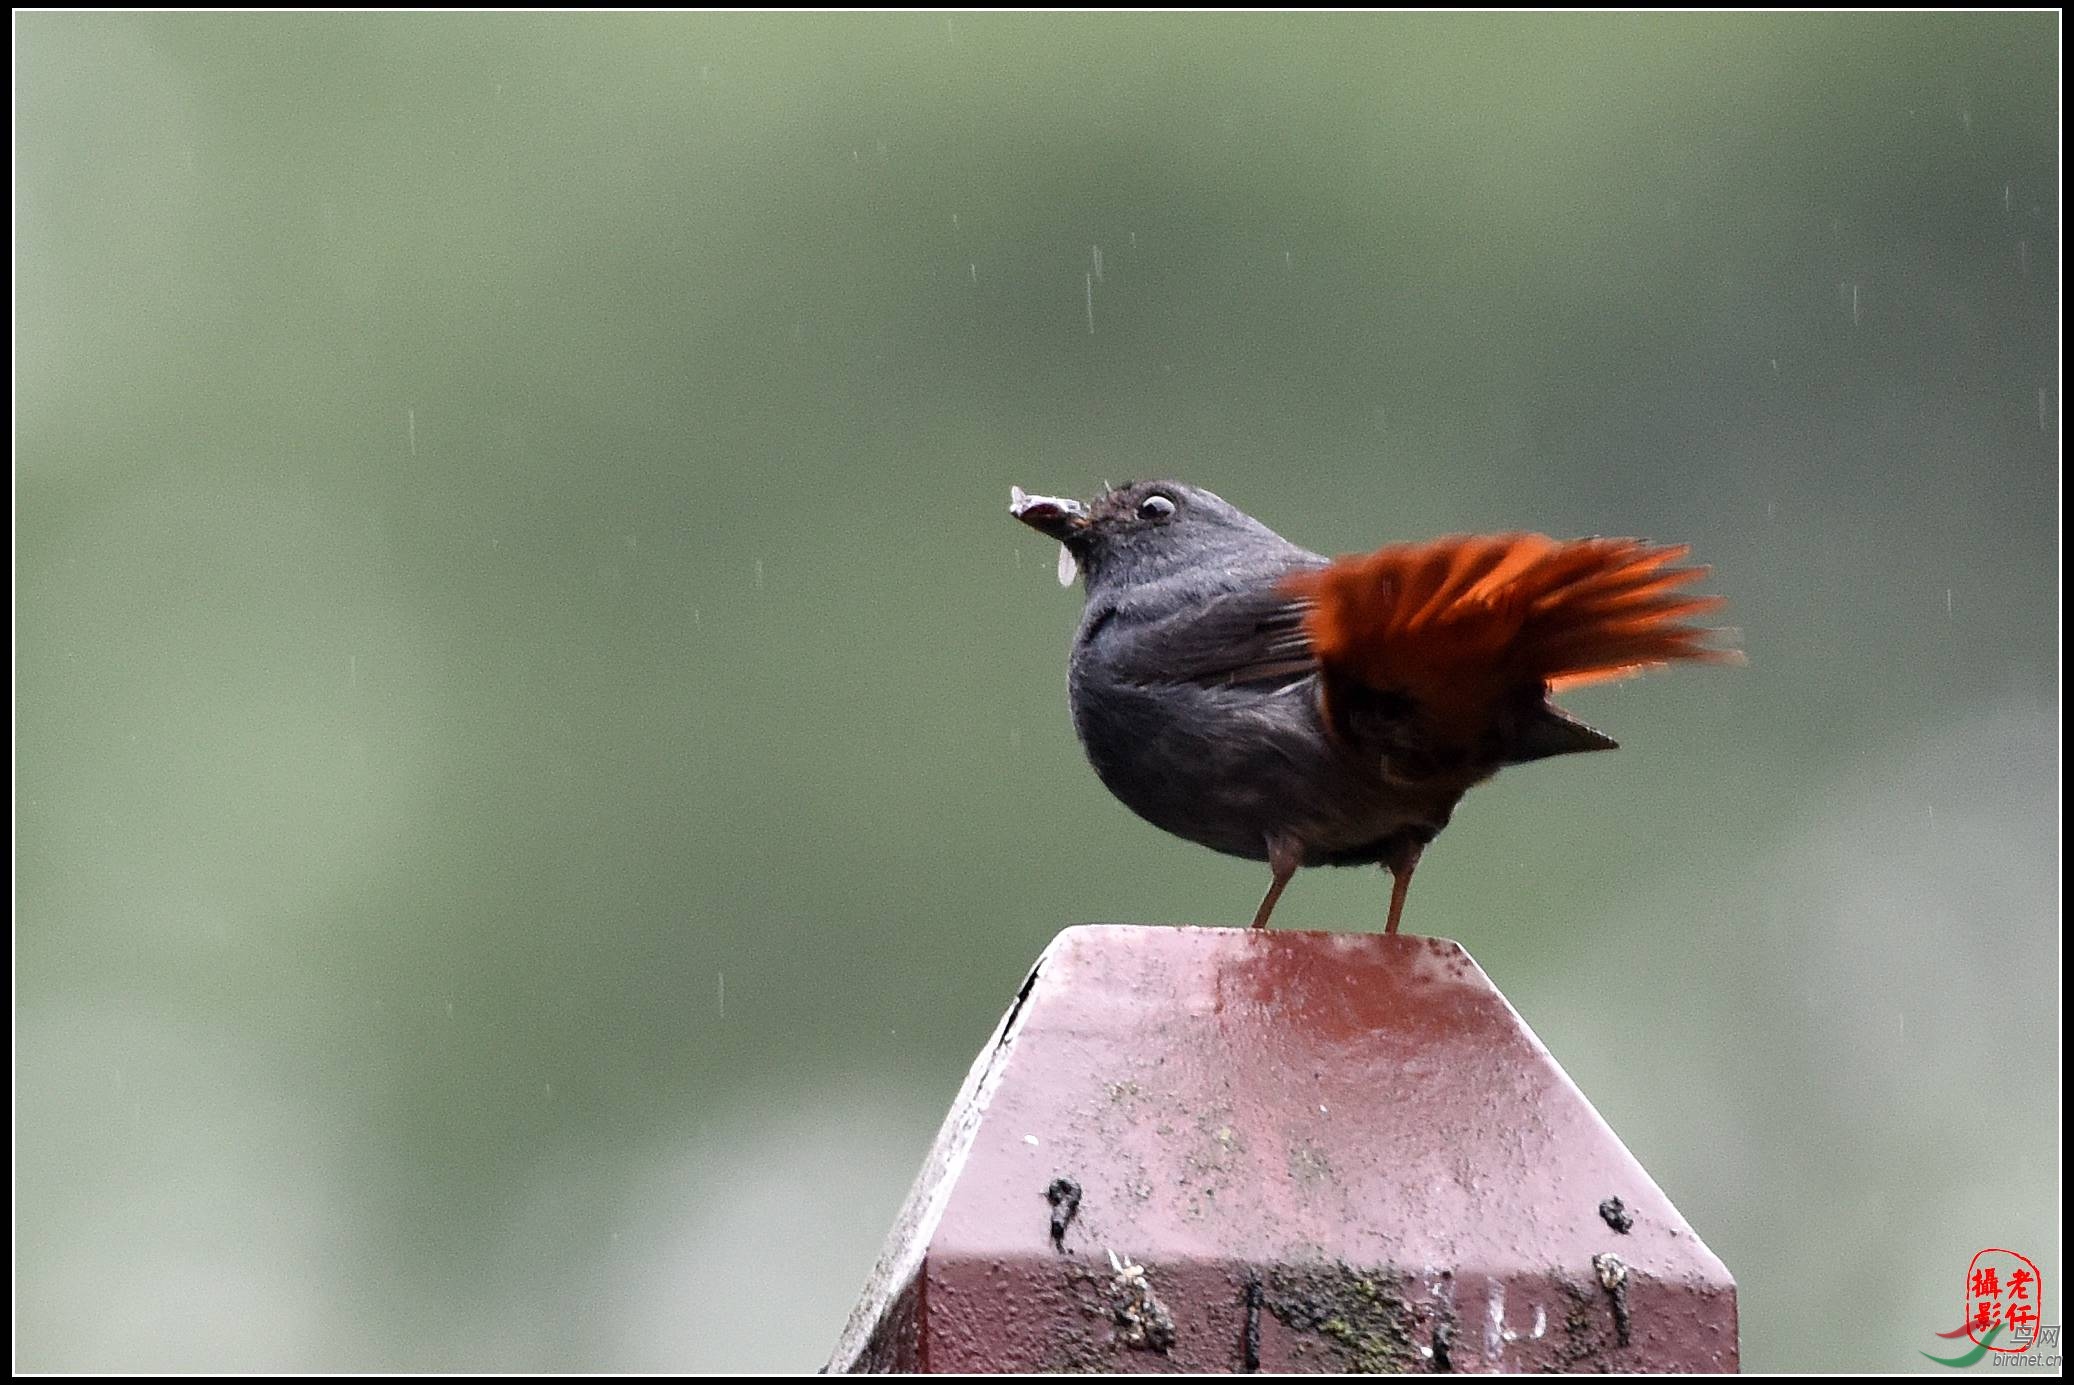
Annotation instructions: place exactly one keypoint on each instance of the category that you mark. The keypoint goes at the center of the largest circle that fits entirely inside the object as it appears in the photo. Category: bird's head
(1142, 531)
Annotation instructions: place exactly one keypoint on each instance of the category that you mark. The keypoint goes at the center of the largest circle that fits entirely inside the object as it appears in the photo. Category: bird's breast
(1231, 766)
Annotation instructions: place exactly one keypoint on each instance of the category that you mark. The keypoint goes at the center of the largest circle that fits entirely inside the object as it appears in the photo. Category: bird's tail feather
(1461, 624)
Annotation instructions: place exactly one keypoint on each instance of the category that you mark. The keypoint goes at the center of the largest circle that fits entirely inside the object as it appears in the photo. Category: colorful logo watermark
(2001, 1296)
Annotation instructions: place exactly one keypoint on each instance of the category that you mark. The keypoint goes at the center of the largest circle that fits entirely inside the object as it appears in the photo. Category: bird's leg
(1274, 892)
(1400, 865)
(1283, 857)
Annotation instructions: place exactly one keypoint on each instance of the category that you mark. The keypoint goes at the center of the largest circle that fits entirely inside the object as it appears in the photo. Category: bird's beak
(1062, 519)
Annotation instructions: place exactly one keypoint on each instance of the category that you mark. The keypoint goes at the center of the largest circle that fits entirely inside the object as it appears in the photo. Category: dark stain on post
(1361, 1316)
(1015, 1010)
(1617, 1215)
(1249, 1344)
(1064, 1197)
(1143, 1322)
(1613, 1277)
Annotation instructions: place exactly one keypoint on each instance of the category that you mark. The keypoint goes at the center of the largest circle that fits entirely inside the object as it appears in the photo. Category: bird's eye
(1155, 507)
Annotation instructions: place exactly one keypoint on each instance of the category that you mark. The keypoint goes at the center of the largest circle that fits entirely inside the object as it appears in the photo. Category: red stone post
(1210, 1149)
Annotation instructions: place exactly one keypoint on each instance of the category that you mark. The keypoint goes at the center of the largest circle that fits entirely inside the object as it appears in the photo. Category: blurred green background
(542, 755)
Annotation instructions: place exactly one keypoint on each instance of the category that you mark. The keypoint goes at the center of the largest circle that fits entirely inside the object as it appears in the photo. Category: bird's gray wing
(1252, 636)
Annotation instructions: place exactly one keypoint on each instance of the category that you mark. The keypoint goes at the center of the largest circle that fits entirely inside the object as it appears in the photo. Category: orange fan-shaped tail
(1462, 625)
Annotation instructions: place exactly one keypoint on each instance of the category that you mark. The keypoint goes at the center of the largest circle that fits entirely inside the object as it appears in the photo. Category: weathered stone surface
(1220, 1149)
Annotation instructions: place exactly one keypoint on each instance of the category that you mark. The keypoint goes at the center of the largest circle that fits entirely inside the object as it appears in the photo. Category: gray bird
(1267, 702)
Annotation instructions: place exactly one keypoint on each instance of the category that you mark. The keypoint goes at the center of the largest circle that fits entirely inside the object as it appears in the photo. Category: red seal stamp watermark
(2003, 1292)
